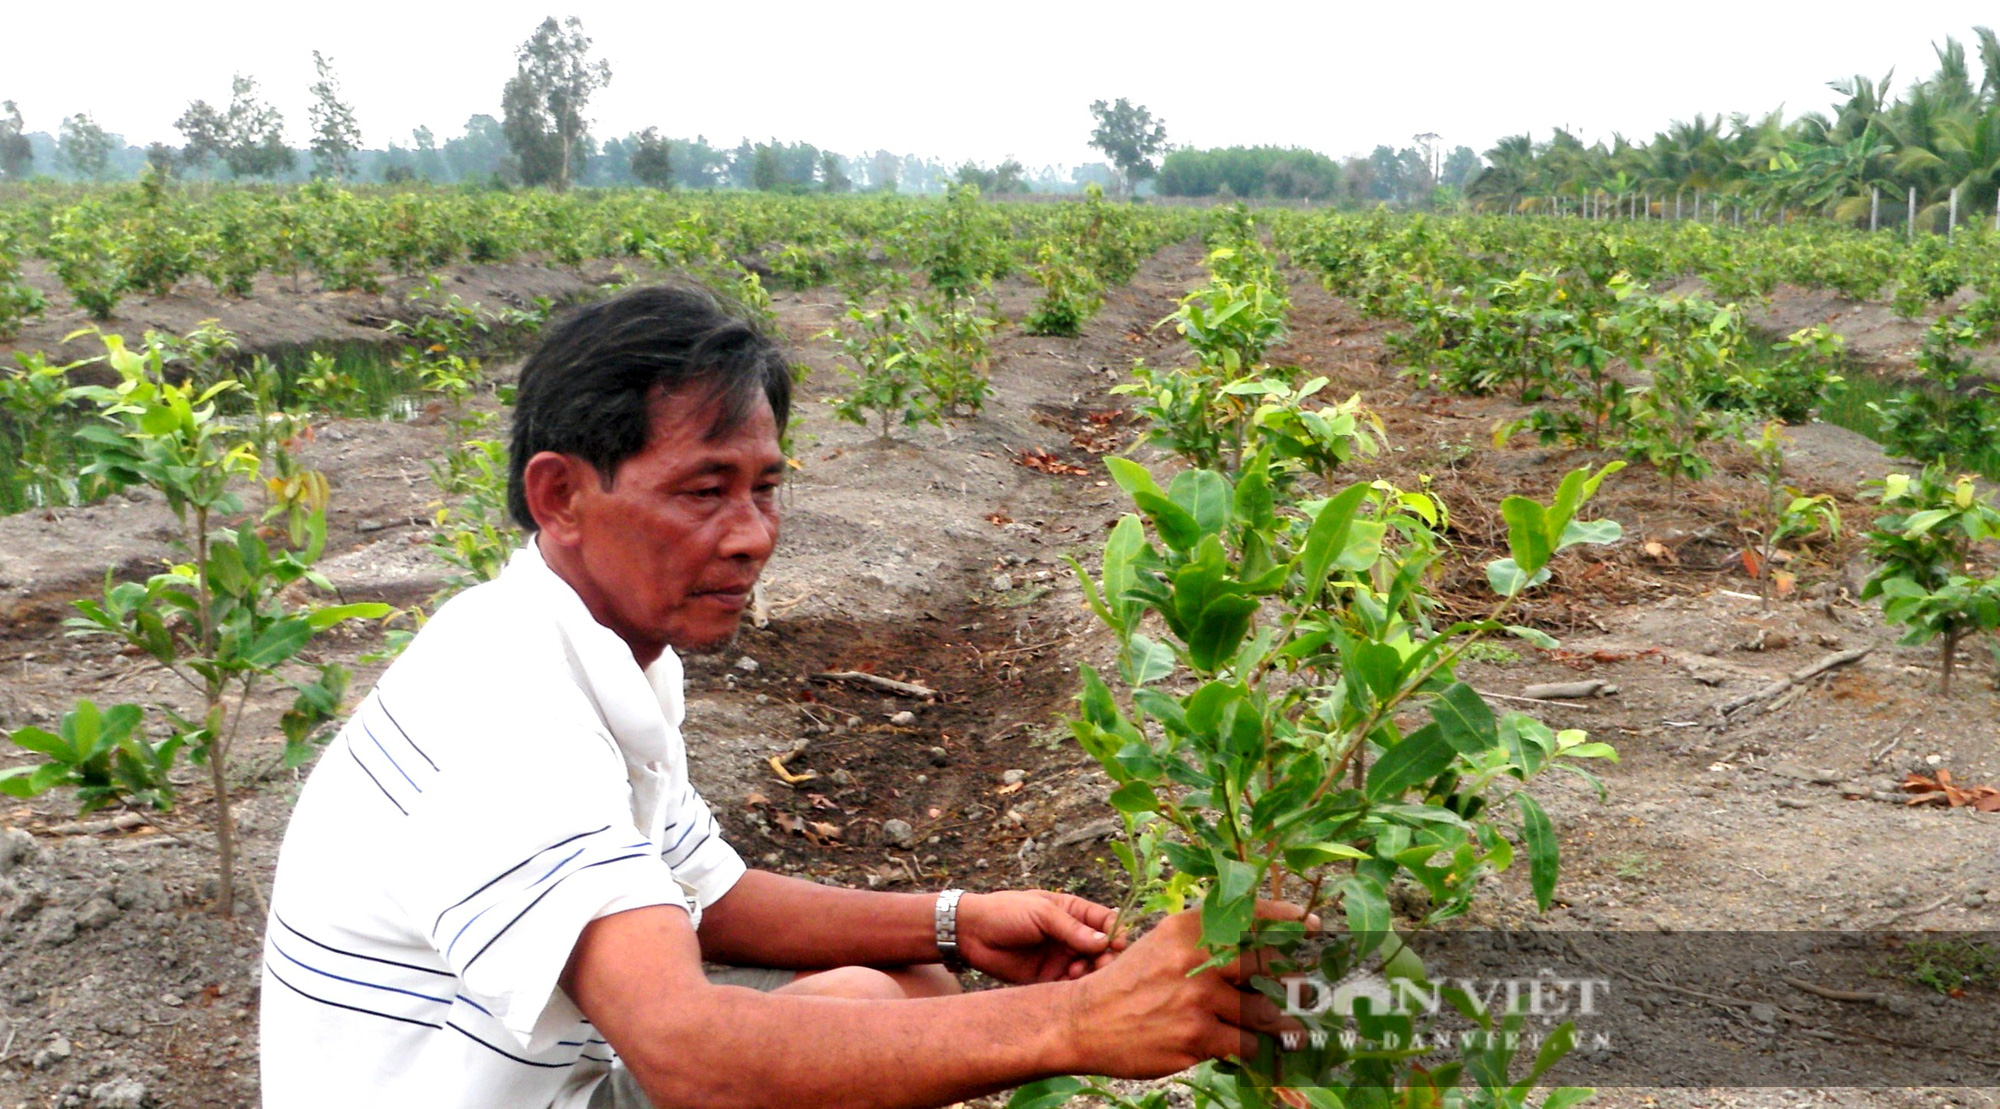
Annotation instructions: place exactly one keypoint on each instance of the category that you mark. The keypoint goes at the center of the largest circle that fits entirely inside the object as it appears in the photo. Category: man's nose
(750, 532)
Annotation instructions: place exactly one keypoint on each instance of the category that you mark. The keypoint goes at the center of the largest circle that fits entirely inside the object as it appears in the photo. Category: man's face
(668, 554)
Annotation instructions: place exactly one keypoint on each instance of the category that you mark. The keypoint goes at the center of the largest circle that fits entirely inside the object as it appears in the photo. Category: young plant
(216, 621)
(1291, 718)
(473, 534)
(35, 401)
(1923, 546)
(19, 301)
(888, 348)
(1071, 294)
(1782, 513)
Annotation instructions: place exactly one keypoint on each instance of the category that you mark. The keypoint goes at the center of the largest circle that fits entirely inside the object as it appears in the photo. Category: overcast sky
(987, 81)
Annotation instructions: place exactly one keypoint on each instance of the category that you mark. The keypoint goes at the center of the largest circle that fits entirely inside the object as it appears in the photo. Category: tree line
(1861, 157)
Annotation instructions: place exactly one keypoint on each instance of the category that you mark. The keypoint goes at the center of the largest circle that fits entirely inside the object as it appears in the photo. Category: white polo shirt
(512, 777)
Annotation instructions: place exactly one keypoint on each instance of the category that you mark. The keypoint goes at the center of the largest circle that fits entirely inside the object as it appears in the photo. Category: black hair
(588, 387)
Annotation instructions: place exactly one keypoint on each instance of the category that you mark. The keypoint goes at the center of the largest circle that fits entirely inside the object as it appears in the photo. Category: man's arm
(637, 976)
(771, 920)
(1015, 935)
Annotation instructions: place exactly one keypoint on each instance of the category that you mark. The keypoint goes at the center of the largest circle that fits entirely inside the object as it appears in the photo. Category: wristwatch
(946, 922)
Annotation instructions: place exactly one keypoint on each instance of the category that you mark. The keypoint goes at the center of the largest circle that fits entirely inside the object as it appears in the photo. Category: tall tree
(882, 171)
(1129, 136)
(832, 177)
(17, 154)
(336, 136)
(543, 102)
(204, 134)
(249, 137)
(256, 133)
(766, 170)
(652, 162)
(84, 147)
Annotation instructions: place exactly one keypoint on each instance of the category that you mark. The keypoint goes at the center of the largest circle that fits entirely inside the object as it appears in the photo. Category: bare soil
(936, 559)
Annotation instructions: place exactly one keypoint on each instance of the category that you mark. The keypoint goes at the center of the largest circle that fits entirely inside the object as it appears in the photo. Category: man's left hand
(1025, 936)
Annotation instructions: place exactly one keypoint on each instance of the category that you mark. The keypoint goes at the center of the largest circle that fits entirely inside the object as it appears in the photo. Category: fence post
(1951, 224)
(1912, 232)
(1874, 206)
(1677, 205)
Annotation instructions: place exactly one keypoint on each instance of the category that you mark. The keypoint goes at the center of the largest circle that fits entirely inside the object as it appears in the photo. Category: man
(499, 887)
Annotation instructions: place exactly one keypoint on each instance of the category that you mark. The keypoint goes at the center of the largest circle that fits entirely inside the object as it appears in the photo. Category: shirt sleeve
(698, 854)
(514, 854)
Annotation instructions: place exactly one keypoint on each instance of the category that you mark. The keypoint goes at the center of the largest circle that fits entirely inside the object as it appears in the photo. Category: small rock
(1973, 900)
(1012, 777)
(1001, 583)
(903, 719)
(748, 665)
(842, 777)
(17, 848)
(171, 1000)
(58, 927)
(54, 1052)
(119, 1093)
(899, 832)
(1793, 803)
(1763, 1014)
(940, 757)
(95, 914)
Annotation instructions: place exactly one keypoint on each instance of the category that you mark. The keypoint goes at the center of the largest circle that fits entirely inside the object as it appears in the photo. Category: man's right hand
(1143, 1016)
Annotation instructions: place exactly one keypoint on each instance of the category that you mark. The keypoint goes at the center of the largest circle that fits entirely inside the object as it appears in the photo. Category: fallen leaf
(790, 823)
(1046, 463)
(1784, 582)
(1753, 563)
(1660, 552)
(935, 812)
(999, 519)
(1939, 790)
(1010, 787)
(822, 830)
(756, 799)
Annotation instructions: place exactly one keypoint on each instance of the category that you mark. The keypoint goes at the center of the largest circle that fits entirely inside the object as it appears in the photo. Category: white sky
(987, 81)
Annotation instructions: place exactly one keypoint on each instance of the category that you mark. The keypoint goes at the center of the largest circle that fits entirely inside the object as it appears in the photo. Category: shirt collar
(634, 702)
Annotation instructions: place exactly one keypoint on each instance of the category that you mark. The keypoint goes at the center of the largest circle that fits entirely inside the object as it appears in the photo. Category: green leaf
(1049, 1092)
(18, 781)
(1177, 528)
(1145, 661)
(1535, 636)
(1509, 580)
(1255, 506)
(1131, 477)
(1543, 854)
(1590, 531)
(1416, 759)
(321, 618)
(279, 642)
(1135, 797)
(1319, 854)
(1231, 905)
(1378, 665)
(1327, 538)
(41, 742)
(1205, 496)
(1464, 720)
(1366, 904)
(1527, 533)
(1562, 1097)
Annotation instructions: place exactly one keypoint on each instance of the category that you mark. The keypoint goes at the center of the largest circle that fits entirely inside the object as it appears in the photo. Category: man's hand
(1144, 1017)
(1035, 935)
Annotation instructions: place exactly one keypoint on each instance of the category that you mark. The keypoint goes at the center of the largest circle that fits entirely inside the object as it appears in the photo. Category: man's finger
(1080, 937)
(1260, 1014)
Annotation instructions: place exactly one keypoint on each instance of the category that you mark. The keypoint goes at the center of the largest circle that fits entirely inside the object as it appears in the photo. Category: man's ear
(553, 483)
